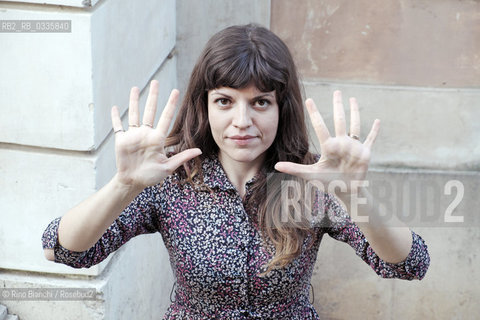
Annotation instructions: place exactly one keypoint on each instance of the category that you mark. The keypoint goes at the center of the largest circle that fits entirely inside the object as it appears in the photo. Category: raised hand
(343, 157)
(140, 154)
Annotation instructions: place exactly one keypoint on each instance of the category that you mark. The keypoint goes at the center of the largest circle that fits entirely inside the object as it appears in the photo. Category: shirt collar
(215, 177)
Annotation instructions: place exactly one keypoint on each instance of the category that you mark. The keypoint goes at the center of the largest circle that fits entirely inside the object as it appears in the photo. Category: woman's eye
(222, 102)
(262, 103)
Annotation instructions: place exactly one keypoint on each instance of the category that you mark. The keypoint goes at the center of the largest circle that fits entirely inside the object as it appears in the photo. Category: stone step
(4, 314)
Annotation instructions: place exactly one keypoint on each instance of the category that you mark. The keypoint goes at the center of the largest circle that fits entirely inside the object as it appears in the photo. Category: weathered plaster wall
(415, 66)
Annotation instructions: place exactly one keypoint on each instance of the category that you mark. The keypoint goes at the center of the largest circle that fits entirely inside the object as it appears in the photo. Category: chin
(246, 156)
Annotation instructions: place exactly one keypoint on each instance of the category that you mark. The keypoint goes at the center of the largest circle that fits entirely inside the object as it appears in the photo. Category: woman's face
(244, 122)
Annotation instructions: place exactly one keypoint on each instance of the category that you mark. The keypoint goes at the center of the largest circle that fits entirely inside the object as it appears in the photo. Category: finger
(116, 121)
(373, 134)
(180, 158)
(338, 114)
(318, 124)
(168, 113)
(151, 104)
(354, 118)
(133, 117)
(300, 170)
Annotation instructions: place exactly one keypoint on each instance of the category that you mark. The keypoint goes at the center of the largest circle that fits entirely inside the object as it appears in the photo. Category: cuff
(62, 255)
(416, 264)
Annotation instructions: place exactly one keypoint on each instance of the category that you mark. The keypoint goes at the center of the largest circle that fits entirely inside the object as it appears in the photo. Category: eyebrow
(222, 94)
(269, 94)
(262, 95)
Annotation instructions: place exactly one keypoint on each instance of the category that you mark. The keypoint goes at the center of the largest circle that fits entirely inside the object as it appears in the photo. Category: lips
(242, 140)
(242, 137)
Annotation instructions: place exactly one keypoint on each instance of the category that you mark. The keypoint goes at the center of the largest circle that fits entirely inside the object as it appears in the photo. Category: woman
(234, 252)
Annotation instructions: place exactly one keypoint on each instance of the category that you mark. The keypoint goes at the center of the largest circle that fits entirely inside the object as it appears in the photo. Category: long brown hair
(237, 57)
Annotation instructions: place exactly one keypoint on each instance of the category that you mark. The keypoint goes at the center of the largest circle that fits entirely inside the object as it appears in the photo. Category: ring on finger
(354, 136)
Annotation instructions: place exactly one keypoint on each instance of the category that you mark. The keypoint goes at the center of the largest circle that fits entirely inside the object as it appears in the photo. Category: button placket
(242, 246)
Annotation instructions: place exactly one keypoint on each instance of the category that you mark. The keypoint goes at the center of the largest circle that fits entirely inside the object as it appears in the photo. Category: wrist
(125, 188)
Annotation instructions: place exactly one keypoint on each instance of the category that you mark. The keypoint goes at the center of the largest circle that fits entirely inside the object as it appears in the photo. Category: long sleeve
(342, 228)
(140, 217)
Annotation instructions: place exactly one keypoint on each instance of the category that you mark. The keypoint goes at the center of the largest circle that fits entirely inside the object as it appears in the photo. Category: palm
(342, 157)
(140, 155)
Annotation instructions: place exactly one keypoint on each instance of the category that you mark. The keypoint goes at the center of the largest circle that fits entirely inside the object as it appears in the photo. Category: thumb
(300, 170)
(180, 158)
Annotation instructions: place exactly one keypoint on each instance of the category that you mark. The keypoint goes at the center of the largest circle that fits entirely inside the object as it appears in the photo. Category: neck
(240, 172)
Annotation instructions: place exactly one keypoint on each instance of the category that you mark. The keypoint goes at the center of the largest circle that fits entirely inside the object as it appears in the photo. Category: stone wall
(415, 66)
(56, 146)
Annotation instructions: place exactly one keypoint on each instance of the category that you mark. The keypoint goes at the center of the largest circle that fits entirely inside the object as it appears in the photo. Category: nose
(242, 118)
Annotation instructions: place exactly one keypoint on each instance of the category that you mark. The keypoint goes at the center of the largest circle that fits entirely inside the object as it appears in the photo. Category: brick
(69, 81)
(420, 127)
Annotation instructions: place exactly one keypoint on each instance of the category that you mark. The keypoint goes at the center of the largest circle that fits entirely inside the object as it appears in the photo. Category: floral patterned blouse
(216, 251)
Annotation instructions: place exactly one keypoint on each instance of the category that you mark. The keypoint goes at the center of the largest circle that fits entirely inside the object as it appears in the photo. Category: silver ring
(133, 125)
(119, 130)
(353, 136)
(148, 125)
